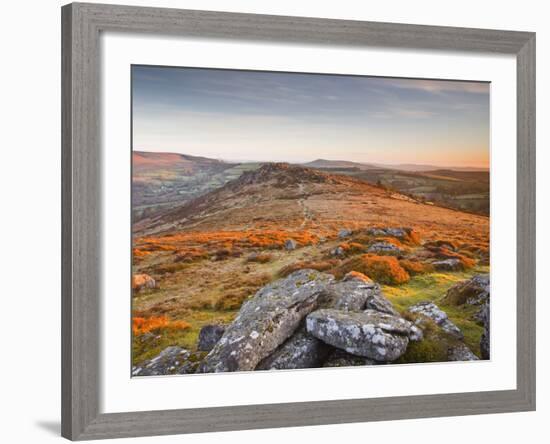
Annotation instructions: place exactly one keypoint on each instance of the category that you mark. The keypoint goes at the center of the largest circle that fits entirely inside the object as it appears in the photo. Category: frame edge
(81, 420)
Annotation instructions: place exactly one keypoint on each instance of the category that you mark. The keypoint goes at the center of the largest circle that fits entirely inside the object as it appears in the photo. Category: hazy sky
(266, 116)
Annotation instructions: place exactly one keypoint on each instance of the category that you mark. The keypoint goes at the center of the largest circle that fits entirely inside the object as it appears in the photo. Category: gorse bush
(382, 269)
(215, 240)
(142, 325)
(414, 267)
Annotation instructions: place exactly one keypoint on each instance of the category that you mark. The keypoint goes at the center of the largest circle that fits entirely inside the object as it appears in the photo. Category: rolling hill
(293, 197)
(337, 164)
(163, 180)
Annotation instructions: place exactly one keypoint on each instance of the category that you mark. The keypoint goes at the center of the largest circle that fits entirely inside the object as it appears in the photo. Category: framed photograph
(278, 221)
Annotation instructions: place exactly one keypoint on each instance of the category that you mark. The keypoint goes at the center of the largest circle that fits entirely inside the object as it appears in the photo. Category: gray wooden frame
(81, 166)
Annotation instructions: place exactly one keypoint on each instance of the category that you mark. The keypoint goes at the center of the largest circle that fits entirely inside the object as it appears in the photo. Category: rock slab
(371, 334)
(461, 353)
(209, 336)
(266, 321)
(432, 311)
(474, 291)
(301, 350)
(172, 360)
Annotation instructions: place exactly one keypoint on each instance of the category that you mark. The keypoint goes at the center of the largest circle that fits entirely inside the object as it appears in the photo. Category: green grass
(432, 287)
(426, 287)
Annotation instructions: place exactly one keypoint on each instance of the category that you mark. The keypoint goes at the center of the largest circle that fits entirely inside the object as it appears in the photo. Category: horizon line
(373, 163)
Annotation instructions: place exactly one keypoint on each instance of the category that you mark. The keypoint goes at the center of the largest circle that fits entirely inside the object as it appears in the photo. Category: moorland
(213, 239)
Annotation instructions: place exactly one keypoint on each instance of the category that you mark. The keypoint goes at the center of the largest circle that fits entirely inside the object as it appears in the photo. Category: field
(210, 246)
(461, 190)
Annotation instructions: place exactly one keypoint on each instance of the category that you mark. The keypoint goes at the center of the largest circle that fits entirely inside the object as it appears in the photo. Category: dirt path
(302, 203)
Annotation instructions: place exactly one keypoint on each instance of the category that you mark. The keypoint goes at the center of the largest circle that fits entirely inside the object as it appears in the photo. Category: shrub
(415, 267)
(356, 275)
(142, 325)
(382, 269)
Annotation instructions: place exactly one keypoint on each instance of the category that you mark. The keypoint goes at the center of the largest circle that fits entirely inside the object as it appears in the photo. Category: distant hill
(292, 196)
(326, 164)
(144, 160)
(422, 168)
(340, 164)
(163, 180)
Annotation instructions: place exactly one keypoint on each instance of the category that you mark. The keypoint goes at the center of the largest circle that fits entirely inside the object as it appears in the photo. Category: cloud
(440, 86)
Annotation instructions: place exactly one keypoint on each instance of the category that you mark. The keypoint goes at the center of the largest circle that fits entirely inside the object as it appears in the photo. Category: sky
(237, 115)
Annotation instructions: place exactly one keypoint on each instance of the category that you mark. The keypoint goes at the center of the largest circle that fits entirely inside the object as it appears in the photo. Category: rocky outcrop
(385, 248)
(290, 244)
(432, 311)
(343, 233)
(461, 353)
(474, 291)
(142, 281)
(209, 335)
(171, 361)
(371, 334)
(451, 264)
(301, 350)
(351, 294)
(397, 232)
(266, 321)
(356, 292)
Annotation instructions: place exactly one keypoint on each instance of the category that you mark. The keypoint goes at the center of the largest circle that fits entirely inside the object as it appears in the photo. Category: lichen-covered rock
(461, 353)
(474, 291)
(172, 360)
(290, 244)
(266, 321)
(432, 311)
(451, 264)
(209, 335)
(356, 292)
(351, 294)
(397, 232)
(377, 301)
(485, 342)
(371, 334)
(338, 251)
(340, 358)
(301, 350)
(344, 233)
(416, 334)
(385, 248)
(141, 281)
